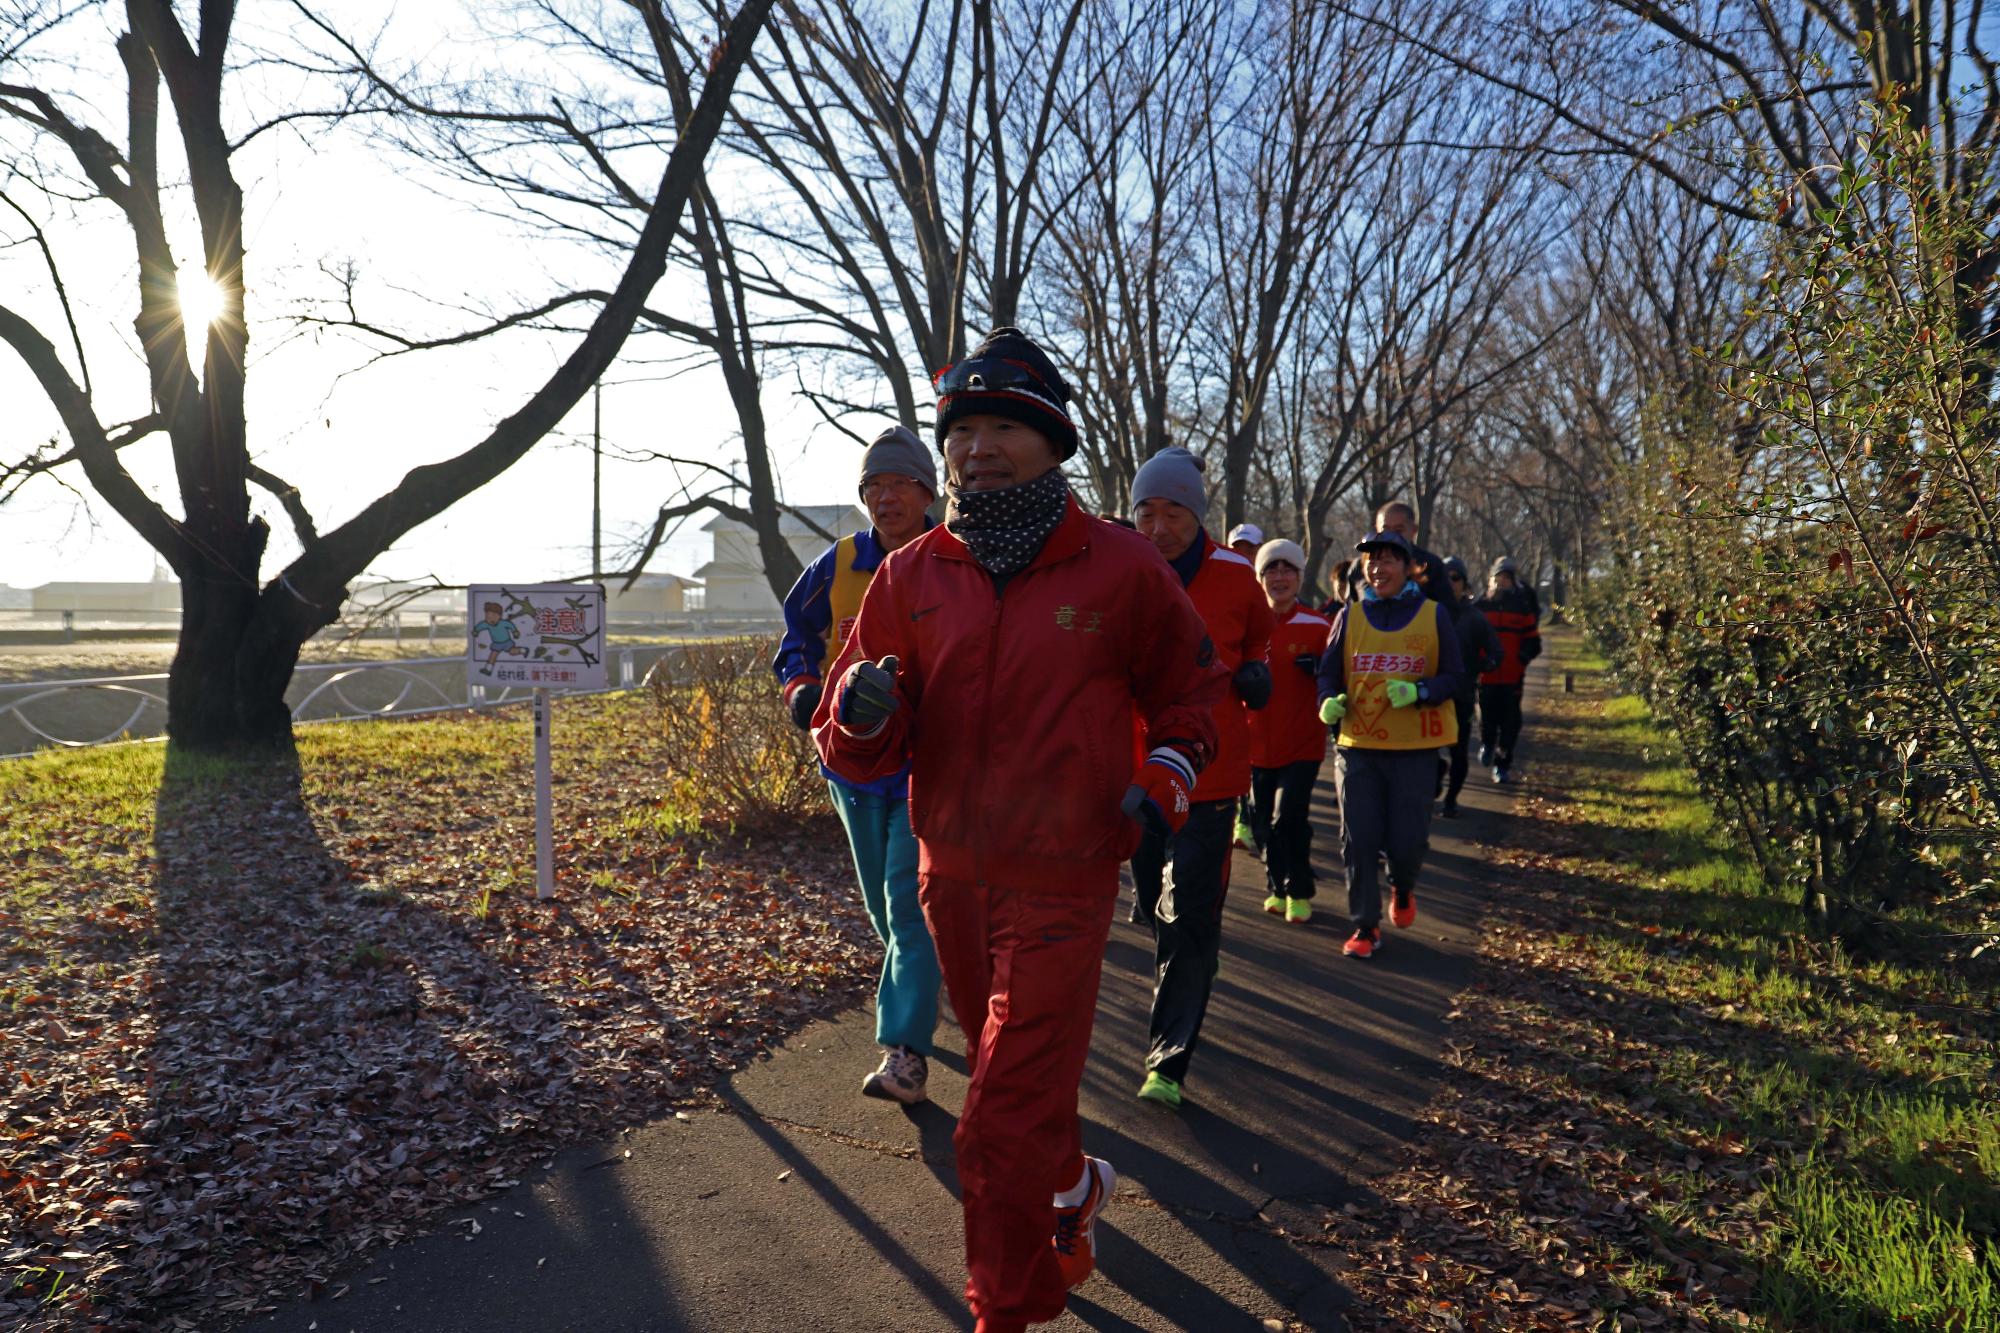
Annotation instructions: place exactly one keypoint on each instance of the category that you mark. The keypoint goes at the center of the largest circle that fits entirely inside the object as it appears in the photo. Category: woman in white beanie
(1287, 739)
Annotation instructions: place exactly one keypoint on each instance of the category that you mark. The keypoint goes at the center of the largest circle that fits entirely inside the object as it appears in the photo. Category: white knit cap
(1278, 548)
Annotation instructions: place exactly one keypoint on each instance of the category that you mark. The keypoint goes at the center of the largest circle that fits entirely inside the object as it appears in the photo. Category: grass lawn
(1671, 1106)
(262, 1019)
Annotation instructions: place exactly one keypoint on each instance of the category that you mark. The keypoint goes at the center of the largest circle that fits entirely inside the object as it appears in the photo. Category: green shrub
(1807, 588)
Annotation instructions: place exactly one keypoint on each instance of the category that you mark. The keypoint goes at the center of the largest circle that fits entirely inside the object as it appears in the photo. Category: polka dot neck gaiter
(1005, 529)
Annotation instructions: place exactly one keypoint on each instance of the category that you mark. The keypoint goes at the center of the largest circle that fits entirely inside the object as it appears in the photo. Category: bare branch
(294, 504)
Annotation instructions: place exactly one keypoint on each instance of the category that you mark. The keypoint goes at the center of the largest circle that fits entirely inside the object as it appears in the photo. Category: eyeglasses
(876, 488)
(988, 374)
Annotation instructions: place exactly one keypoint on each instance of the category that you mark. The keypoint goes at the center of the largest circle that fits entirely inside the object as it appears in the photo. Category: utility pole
(597, 483)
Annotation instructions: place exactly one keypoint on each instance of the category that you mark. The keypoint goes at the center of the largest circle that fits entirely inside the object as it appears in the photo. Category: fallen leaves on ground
(277, 1026)
(1584, 1167)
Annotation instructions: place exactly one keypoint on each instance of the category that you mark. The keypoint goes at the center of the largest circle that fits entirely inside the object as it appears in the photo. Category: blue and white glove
(1162, 792)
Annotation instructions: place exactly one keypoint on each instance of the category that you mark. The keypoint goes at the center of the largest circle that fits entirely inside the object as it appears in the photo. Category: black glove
(1253, 683)
(803, 700)
(1530, 649)
(868, 694)
(1308, 663)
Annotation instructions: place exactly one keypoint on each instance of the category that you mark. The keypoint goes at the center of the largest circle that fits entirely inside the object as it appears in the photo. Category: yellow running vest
(844, 596)
(1376, 657)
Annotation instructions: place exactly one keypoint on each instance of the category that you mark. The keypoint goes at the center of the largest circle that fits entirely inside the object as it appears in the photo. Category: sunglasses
(987, 374)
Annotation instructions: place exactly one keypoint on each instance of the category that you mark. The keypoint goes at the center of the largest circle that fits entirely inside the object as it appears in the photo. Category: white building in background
(650, 595)
(733, 578)
(161, 593)
(14, 599)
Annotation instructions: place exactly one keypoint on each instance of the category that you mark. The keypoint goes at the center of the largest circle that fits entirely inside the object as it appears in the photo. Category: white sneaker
(903, 1076)
(1075, 1240)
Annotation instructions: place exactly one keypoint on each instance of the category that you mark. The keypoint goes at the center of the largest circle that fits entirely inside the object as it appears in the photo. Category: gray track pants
(1385, 806)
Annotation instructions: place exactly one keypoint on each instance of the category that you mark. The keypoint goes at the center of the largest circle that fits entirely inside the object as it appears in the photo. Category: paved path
(804, 1206)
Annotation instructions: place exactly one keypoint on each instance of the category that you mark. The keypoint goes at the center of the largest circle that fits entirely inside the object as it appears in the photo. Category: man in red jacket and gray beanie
(1180, 882)
(1004, 657)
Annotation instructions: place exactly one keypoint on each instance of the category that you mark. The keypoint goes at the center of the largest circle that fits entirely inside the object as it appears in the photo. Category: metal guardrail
(76, 714)
(434, 627)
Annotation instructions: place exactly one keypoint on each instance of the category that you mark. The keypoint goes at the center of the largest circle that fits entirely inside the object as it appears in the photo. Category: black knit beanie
(1027, 388)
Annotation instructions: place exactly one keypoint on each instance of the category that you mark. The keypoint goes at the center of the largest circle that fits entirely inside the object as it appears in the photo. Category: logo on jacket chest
(1079, 620)
(1392, 664)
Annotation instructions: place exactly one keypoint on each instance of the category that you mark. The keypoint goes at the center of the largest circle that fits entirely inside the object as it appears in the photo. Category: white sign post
(546, 636)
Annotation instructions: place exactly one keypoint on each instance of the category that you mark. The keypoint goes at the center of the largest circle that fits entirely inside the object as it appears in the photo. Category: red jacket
(1017, 708)
(1517, 624)
(1288, 730)
(1238, 616)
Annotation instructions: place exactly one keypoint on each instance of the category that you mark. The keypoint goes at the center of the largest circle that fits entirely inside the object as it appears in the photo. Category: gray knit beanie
(898, 450)
(1171, 474)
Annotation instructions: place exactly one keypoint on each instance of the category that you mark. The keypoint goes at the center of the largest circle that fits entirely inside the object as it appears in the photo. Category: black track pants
(1283, 798)
(1181, 882)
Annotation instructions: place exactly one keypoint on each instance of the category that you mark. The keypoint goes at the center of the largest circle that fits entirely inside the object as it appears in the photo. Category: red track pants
(1022, 964)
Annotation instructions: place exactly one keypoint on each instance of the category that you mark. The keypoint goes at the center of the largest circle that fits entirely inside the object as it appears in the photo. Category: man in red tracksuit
(1004, 657)
(1181, 879)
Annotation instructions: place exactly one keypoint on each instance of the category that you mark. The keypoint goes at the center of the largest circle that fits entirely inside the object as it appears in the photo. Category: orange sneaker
(1403, 908)
(1367, 940)
(1076, 1224)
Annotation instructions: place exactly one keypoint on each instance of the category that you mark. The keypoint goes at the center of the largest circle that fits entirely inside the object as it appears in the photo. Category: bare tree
(241, 631)
(553, 149)
(911, 148)
(1125, 202)
(1407, 322)
(1282, 170)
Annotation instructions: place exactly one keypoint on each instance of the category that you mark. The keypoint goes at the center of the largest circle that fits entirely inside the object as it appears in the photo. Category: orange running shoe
(1076, 1224)
(1367, 940)
(1403, 908)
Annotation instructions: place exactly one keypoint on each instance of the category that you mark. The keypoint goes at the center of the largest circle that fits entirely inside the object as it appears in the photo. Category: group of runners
(1013, 703)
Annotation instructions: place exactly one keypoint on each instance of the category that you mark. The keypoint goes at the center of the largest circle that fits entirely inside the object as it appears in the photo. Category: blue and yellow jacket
(820, 612)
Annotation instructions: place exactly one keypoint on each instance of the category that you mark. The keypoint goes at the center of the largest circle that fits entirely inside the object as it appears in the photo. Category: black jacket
(1478, 646)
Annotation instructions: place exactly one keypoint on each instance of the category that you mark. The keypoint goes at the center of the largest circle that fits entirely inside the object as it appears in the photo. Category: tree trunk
(1236, 453)
(238, 646)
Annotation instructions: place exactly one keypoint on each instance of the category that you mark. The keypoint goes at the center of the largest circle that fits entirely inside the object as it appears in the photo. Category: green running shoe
(1298, 909)
(1245, 839)
(1162, 1090)
(1275, 905)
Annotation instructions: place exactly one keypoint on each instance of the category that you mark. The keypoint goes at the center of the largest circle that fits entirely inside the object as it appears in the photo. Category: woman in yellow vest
(1386, 683)
(898, 484)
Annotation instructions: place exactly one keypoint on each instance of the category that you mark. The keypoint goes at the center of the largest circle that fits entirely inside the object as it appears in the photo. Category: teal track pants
(885, 861)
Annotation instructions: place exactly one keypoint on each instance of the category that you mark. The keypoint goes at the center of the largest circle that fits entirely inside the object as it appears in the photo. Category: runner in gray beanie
(898, 451)
(1171, 474)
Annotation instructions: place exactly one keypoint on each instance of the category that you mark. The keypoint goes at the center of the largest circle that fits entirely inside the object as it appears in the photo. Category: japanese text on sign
(540, 635)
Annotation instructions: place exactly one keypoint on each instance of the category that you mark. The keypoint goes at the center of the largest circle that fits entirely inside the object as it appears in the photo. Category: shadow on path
(800, 1204)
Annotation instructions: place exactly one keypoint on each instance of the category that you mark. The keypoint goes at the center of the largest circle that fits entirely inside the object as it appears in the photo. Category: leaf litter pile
(1640, 1130)
(260, 1023)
